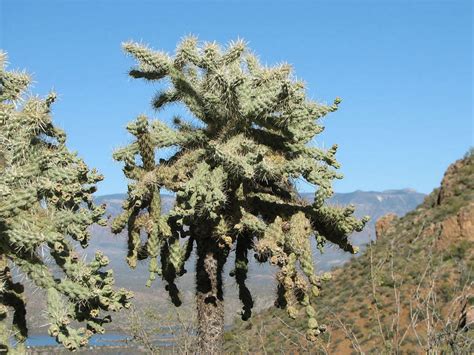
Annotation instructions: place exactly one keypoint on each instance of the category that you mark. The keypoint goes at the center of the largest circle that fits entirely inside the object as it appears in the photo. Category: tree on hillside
(45, 210)
(235, 163)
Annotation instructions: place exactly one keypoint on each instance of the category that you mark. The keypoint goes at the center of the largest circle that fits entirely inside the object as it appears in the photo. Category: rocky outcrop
(457, 179)
(449, 184)
(384, 223)
(460, 225)
(447, 213)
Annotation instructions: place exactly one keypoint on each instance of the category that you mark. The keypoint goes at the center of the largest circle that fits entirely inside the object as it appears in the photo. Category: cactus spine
(233, 174)
(45, 208)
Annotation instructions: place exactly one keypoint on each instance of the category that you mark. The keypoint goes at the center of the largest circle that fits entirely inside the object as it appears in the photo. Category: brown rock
(453, 183)
(383, 224)
(466, 221)
(459, 226)
(430, 231)
(449, 181)
(450, 228)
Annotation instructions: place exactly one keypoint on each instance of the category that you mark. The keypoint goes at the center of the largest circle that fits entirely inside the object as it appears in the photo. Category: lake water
(164, 339)
(109, 339)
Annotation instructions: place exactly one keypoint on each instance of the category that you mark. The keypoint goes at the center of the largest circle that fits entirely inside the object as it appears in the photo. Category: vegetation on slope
(410, 291)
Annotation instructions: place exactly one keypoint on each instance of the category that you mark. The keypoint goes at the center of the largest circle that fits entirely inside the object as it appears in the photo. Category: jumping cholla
(233, 171)
(45, 209)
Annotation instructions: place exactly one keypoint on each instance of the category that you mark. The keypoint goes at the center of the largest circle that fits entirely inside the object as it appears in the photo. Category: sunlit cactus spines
(237, 157)
(46, 209)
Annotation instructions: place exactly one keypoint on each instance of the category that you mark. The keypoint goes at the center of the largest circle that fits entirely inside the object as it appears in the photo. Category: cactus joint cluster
(45, 211)
(237, 157)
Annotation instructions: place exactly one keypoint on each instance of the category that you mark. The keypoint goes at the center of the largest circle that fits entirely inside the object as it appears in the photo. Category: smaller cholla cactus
(45, 209)
(233, 170)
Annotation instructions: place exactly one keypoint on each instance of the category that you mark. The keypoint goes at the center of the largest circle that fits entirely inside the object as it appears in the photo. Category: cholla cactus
(233, 172)
(45, 209)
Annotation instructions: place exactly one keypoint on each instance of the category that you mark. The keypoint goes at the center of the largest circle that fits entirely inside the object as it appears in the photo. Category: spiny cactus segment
(46, 207)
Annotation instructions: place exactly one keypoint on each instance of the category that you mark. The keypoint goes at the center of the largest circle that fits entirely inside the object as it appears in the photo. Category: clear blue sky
(403, 69)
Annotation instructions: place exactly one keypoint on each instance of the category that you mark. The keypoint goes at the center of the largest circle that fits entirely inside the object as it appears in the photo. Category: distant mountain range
(372, 203)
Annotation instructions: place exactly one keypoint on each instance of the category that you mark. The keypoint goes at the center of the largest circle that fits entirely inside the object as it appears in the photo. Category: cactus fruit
(45, 208)
(234, 176)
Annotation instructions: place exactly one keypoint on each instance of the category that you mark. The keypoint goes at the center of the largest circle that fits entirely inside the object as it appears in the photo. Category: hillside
(411, 291)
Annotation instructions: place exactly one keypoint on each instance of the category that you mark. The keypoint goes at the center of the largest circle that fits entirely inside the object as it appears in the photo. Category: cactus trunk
(210, 301)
